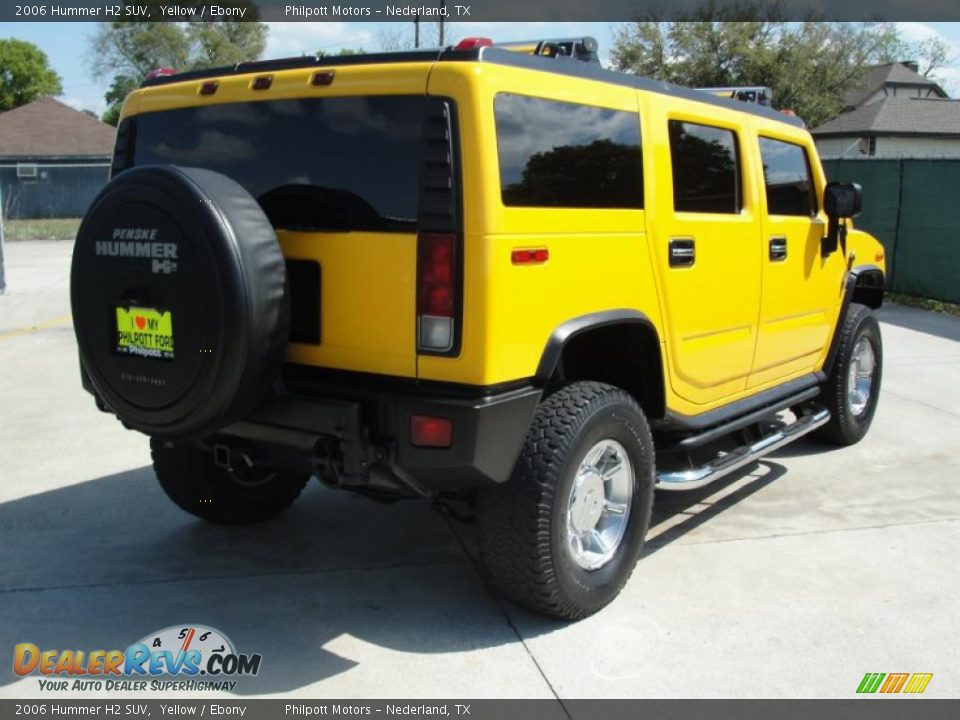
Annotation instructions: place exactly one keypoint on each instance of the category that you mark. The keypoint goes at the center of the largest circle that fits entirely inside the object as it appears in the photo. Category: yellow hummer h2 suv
(501, 275)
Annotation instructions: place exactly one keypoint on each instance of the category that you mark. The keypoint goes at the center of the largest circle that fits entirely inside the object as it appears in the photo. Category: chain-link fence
(42, 200)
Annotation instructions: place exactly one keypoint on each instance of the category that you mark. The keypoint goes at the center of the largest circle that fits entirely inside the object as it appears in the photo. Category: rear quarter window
(560, 154)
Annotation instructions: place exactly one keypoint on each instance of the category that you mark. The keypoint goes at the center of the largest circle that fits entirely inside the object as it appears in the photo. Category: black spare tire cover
(179, 304)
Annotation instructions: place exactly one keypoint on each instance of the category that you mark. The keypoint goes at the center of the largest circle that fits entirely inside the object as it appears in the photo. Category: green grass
(940, 306)
(42, 229)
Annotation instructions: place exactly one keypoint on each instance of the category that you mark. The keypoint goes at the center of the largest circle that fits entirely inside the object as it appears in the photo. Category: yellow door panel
(801, 289)
(710, 304)
(367, 300)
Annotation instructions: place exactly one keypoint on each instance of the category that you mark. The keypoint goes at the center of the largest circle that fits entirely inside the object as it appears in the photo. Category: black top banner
(474, 11)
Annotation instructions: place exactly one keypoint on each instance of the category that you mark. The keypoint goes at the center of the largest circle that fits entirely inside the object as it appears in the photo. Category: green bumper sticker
(145, 332)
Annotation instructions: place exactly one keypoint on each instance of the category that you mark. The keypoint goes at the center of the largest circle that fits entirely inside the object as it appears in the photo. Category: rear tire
(196, 484)
(544, 541)
(852, 391)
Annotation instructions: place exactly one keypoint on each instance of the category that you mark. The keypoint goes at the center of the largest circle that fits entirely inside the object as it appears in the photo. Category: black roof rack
(577, 48)
(593, 71)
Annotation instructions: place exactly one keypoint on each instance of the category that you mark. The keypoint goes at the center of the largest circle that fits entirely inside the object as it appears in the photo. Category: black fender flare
(575, 326)
(867, 277)
(647, 384)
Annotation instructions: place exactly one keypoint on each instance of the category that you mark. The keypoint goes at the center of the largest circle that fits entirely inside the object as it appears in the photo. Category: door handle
(778, 249)
(682, 252)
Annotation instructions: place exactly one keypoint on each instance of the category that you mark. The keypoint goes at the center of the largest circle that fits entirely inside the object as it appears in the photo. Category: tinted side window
(558, 154)
(786, 175)
(706, 174)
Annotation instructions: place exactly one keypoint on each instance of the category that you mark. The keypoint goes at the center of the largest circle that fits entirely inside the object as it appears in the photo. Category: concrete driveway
(791, 579)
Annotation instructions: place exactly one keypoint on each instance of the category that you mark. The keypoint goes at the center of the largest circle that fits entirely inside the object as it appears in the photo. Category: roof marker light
(324, 77)
(263, 82)
(209, 87)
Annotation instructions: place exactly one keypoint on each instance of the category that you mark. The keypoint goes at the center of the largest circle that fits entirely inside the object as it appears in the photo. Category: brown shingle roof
(897, 116)
(47, 127)
(878, 76)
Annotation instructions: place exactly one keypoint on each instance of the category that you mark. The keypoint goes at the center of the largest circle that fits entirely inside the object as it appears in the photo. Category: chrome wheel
(860, 376)
(599, 505)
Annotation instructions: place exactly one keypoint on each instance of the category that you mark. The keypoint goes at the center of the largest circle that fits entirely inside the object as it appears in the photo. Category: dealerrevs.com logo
(202, 658)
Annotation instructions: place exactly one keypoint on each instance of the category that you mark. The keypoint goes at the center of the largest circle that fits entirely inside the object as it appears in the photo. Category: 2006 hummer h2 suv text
(501, 275)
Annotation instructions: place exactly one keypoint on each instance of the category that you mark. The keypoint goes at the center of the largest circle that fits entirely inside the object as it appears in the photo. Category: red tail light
(436, 291)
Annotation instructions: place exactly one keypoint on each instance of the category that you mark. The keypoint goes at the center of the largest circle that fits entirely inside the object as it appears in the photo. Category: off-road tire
(522, 523)
(196, 484)
(845, 428)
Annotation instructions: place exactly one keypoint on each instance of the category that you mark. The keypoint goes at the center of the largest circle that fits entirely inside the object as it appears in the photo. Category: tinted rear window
(316, 164)
(560, 154)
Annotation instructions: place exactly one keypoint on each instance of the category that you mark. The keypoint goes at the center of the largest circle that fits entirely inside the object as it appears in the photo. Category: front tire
(197, 485)
(852, 391)
(563, 535)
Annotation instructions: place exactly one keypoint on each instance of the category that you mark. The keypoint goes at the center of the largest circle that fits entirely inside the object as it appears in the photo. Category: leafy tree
(129, 49)
(121, 86)
(341, 52)
(401, 36)
(808, 65)
(25, 74)
(933, 55)
(135, 48)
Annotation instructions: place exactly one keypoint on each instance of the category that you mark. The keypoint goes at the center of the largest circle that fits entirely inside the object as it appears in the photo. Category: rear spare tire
(179, 301)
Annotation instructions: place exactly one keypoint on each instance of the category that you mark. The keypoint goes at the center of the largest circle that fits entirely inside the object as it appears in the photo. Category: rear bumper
(356, 432)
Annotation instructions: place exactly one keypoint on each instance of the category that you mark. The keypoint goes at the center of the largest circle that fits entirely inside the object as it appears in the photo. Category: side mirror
(841, 201)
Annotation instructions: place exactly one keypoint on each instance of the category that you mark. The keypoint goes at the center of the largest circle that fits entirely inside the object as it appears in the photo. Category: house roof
(897, 116)
(48, 128)
(876, 77)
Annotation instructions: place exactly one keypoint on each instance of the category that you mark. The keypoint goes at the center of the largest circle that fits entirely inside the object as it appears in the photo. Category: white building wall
(890, 147)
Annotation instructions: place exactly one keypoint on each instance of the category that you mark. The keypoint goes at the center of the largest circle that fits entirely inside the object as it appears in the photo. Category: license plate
(145, 332)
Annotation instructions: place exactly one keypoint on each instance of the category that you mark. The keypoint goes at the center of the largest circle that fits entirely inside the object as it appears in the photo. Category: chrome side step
(744, 455)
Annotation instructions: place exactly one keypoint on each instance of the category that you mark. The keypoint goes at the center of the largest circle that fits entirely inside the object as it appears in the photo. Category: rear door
(337, 168)
(706, 236)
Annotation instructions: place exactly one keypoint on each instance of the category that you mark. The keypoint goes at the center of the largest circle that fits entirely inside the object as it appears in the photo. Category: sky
(66, 45)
